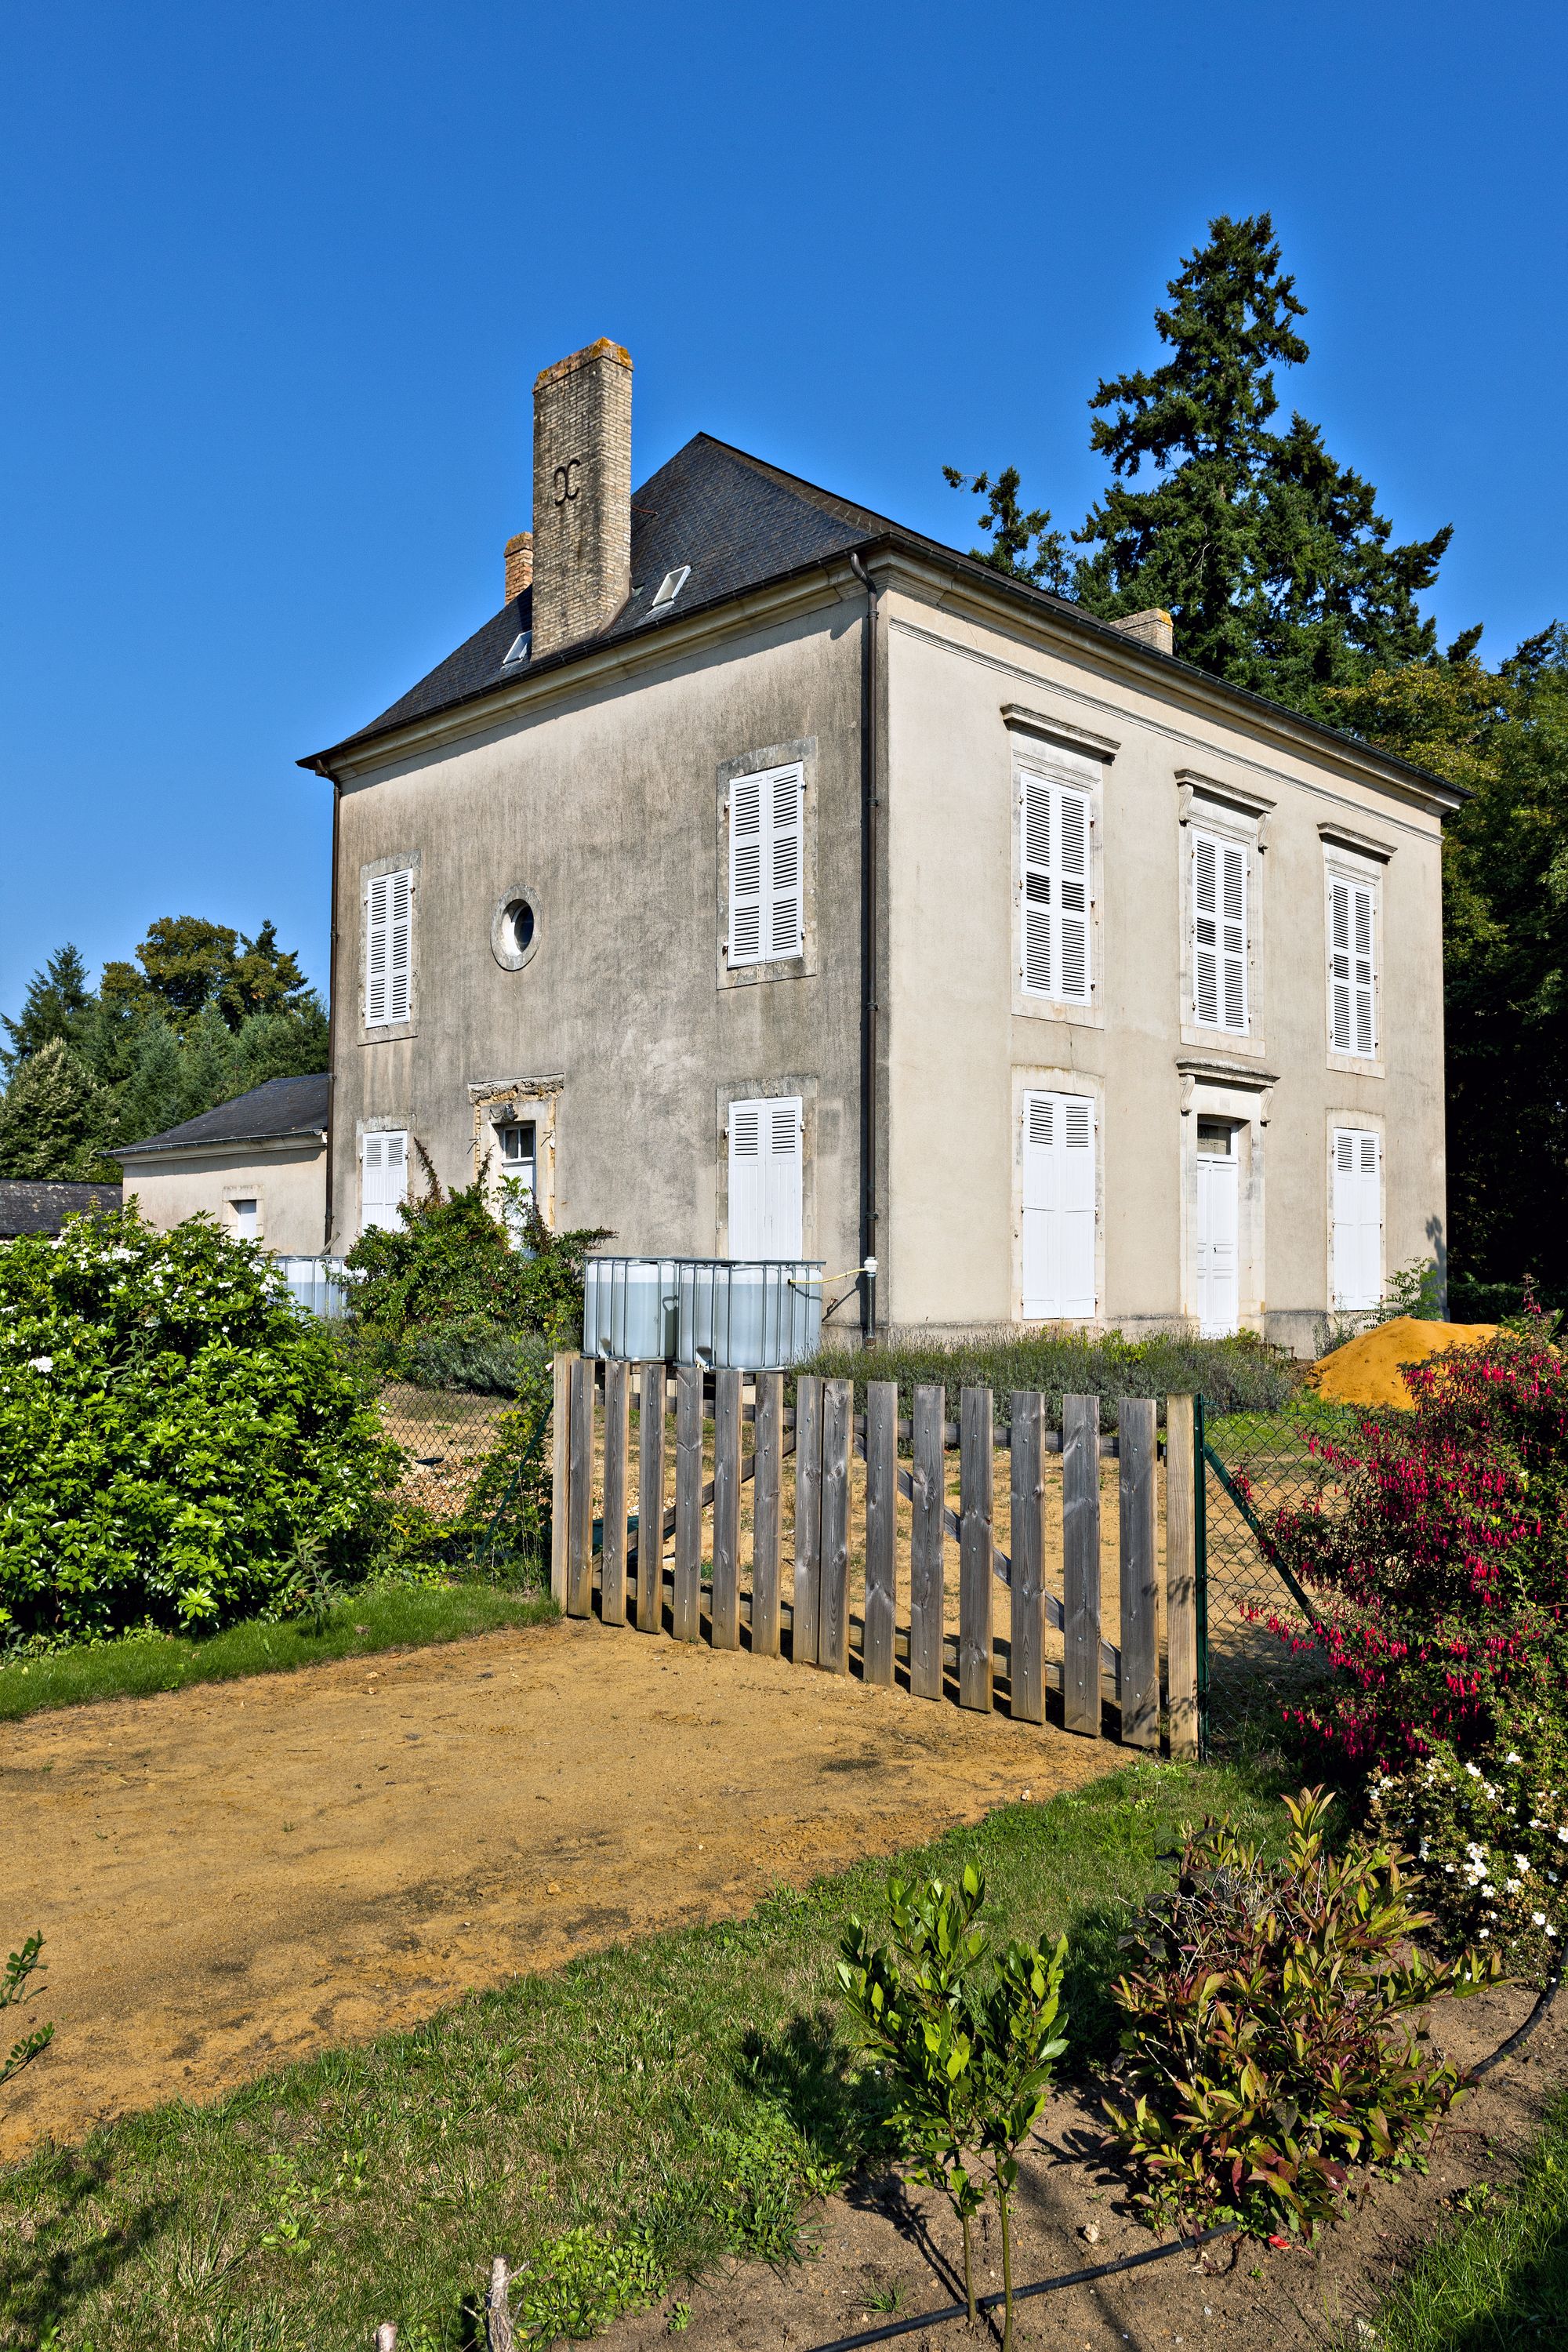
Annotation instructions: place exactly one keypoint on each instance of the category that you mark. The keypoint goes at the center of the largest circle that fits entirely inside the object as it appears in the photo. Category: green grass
(379, 1617)
(1239, 1375)
(617, 2126)
(1499, 2280)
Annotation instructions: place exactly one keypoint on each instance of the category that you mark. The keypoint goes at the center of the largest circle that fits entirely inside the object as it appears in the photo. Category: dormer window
(518, 650)
(670, 588)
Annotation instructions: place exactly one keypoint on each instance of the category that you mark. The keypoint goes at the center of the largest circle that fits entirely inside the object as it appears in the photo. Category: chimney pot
(1154, 627)
(519, 564)
(582, 494)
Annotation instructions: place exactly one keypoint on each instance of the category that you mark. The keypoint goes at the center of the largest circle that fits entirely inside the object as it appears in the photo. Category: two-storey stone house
(766, 879)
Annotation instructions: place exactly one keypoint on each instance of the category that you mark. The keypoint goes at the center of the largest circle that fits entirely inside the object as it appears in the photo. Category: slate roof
(29, 1208)
(741, 523)
(283, 1108)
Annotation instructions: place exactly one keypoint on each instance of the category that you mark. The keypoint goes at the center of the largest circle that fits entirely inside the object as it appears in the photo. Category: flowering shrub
(175, 1436)
(1436, 1558)
(1493, 1843)
(1269, 2046)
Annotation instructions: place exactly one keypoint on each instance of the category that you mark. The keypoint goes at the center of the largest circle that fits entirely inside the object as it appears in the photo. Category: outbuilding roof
(277, 1112)
(36, 1208)
(740, 523)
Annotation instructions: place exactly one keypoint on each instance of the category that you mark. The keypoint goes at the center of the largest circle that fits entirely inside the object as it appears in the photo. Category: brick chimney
(519, 564)
(582, 494)
(1154, 627)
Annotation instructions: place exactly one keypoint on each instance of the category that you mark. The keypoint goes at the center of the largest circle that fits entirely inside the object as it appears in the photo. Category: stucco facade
(598, 791)
(277, 1198)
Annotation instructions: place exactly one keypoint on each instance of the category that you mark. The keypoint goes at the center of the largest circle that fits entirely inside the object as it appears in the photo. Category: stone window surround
(804, 748)
(253, 1189)
(1033, 735)
(1233, 812)
(387, 1032)
(505, 1102)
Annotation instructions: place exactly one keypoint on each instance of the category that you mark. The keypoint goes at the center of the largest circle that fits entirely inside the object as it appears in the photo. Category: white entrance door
(1219, 1231)
(766, 1170)
(1059, 1208)
(383, 1182)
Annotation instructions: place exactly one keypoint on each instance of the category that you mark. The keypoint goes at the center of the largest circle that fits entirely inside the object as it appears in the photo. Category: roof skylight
(518, 650)
(670, 588)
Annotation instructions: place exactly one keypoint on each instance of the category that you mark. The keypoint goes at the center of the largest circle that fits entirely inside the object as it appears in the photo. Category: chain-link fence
(473, 1493)
(1253, 1465)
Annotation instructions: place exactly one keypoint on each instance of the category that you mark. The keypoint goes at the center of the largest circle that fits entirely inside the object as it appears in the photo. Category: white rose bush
(172, 1434)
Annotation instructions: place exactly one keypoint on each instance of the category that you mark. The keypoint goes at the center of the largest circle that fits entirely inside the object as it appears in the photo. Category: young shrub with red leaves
(1269, 2045)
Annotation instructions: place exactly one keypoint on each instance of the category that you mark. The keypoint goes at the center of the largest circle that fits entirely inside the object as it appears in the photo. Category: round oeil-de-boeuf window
(514, 931)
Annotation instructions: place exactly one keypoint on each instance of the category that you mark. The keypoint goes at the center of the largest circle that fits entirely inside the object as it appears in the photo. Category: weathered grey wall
(290, 1186)
(960, 1048)
(603, 807)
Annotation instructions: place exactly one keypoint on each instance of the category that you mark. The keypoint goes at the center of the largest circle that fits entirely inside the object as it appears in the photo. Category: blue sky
(278, 280)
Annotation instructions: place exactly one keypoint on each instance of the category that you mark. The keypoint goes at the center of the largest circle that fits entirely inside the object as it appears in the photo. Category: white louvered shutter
(767, 865)
(1352, 1026)
(389, 949)
(1357, 1218)
(1059, 1207)
(766, 1178)
(383, 1182)
(1220, 934)
(1054, 949)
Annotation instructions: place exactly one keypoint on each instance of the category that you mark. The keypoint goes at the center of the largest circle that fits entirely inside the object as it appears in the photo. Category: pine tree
(150, 1094)
(55, 1120)
(1013, 531)
(58, 1004)
(1270, 557)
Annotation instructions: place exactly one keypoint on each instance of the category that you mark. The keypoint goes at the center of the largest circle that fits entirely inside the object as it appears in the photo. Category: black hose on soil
(1522, 2033)
(1022, 2293)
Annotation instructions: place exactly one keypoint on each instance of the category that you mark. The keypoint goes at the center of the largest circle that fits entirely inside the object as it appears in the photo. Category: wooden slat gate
(659, 1569)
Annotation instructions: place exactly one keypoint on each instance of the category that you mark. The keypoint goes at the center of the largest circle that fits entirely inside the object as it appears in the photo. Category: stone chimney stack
(519, 564)
(1154, 627)
(582, 494)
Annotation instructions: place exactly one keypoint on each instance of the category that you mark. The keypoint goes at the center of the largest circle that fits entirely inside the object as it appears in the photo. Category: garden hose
(1520, 2033)
(1021, 2294)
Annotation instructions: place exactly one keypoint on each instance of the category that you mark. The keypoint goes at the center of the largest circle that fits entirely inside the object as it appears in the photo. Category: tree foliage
(202, 1016)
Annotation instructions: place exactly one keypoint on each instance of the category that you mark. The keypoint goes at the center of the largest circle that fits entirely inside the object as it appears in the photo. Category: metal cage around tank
(742, 1314)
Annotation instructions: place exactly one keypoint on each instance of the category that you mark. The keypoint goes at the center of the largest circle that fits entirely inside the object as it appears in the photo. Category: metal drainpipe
(869, 804)
(331, 1018)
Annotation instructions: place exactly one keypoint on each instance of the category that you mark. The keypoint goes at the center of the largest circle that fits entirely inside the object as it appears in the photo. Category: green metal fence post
(1201, 1550)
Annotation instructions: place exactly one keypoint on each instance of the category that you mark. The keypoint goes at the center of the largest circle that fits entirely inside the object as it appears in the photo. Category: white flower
(1563, 1837)
(1510, 1887)
(41, 1363)
(1513, 1757)
(1551, 1931)
(1485, 1932)
(1474, 1770)
(1538, 1918)
(1521, 1862)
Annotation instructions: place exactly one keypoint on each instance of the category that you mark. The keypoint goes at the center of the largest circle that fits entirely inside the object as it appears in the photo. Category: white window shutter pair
(1054, 947)
(766, 1178)
(767, 914)
(1353, 1025)
(1219, 933)
(389, 949)
(1356, 1178)
(384, 1180)
(1059, 1207)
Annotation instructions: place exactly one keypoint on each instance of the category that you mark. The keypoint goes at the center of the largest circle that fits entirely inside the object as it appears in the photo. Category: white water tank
(754, 1315)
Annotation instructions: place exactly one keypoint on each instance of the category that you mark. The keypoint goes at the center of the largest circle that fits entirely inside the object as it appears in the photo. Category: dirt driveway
(233, 1875)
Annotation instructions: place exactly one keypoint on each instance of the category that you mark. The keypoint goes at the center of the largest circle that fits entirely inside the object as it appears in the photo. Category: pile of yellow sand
(1367, 1371)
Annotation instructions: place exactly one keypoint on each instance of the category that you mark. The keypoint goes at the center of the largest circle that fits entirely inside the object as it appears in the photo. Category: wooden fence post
(559, 1420)
(688, 1624)
(1181, 1577)
(765, 1520)
(580, 1478)
(807, 1520)
(1139, 1593)
(613, 1550)
(881, 1526)
(650, 1500)
(975, 1519)
(499, 2335)
(1080, 1564)
(927, 1600)
(837, 1430)
(1028, 1543)
(727, 1510)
